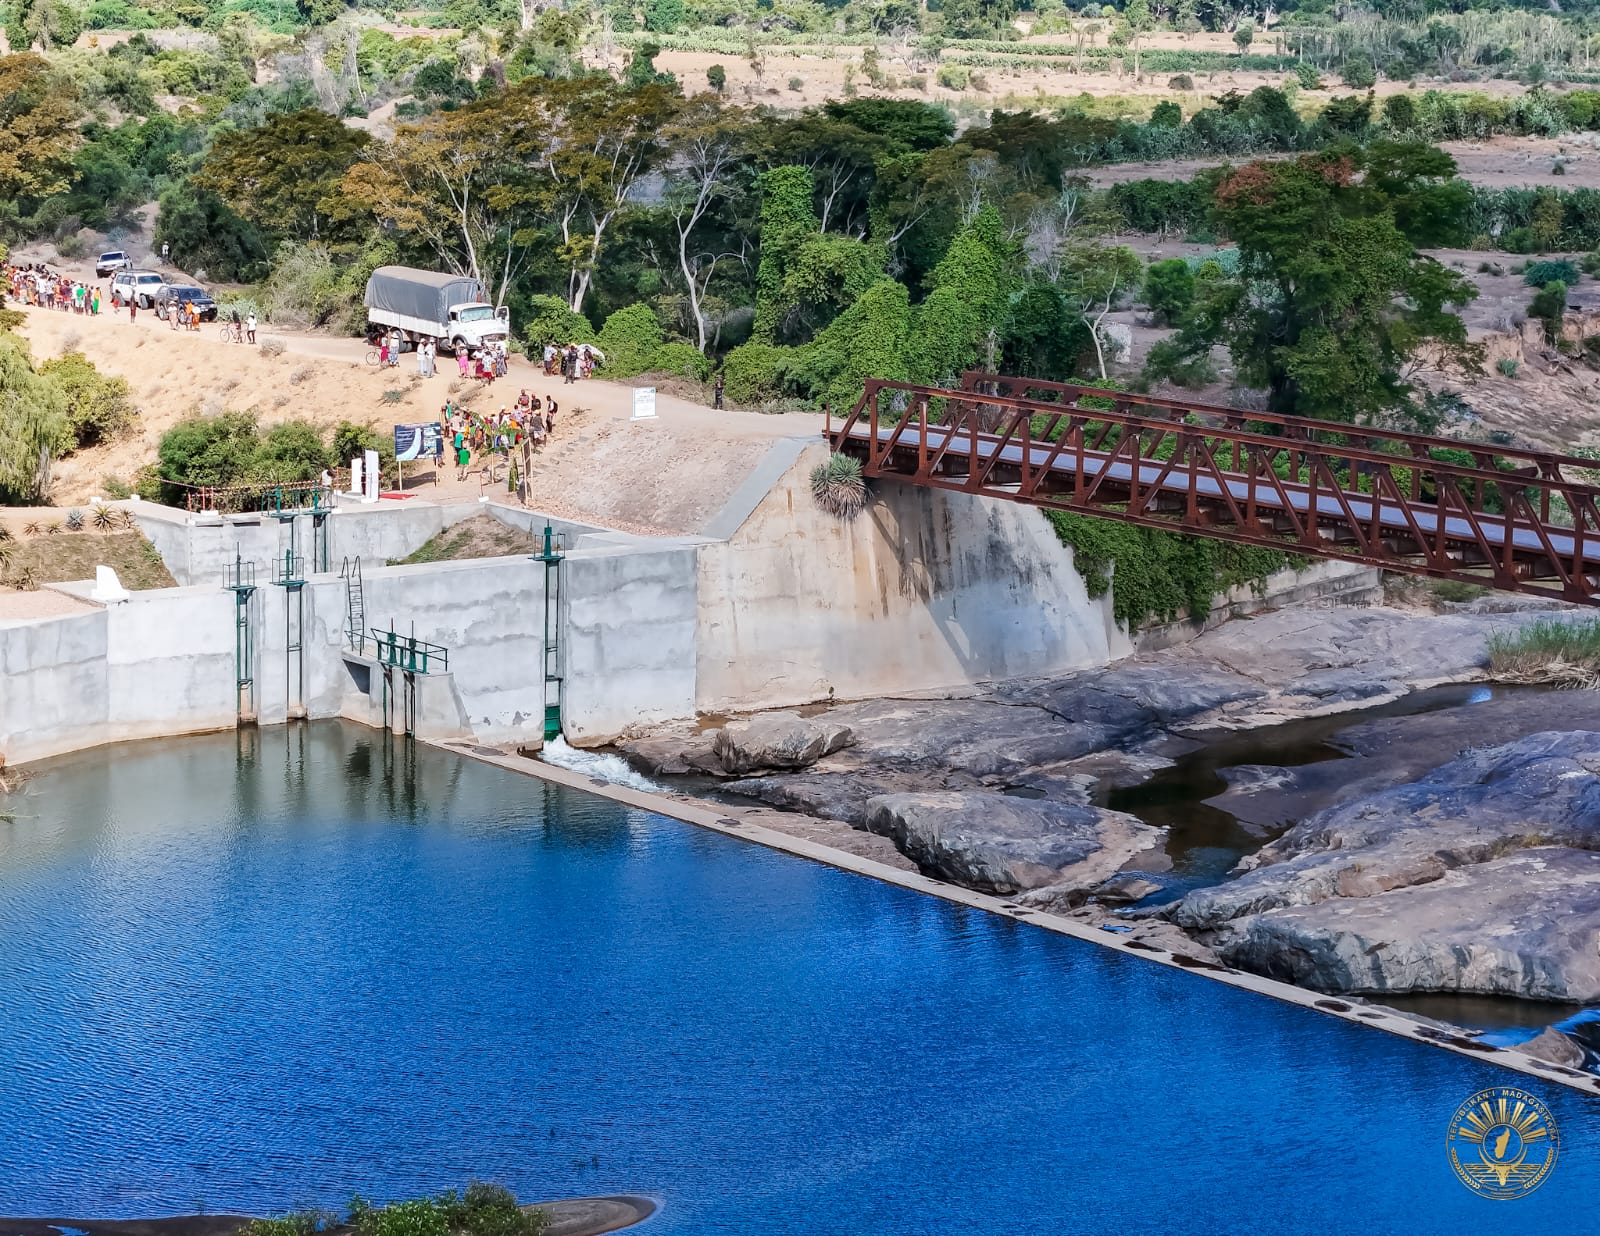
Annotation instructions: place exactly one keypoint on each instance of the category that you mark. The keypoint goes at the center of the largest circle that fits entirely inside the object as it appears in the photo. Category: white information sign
(644, 403)
(371, 477)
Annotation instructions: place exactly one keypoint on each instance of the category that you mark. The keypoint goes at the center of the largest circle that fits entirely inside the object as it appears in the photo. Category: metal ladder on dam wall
(239, 578)
(553, 549)
(355, 604)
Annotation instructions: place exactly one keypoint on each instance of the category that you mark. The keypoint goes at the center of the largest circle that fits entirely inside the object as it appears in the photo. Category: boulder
(1540, 790)
(1555, 1047)
(777, 740)
(1124, 889)
(1521, 925)
(671, 757)
(998, 843)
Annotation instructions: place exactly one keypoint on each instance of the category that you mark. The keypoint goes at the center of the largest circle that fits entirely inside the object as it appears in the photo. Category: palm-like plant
(32, 528)
(838, 487)
(105, 518)
(53, 527)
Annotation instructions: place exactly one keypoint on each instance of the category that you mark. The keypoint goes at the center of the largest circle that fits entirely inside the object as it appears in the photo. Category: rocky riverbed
(1452, 850)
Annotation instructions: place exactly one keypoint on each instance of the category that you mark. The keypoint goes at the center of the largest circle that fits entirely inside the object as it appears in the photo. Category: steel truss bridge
(1509, 519)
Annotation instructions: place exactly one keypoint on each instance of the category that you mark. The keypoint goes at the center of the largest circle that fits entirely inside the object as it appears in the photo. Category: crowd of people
(484, 364)
(522, 428)
(574, 362)
(36, 284)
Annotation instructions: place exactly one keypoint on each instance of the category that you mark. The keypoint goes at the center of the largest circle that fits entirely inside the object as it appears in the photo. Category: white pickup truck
(423, 304)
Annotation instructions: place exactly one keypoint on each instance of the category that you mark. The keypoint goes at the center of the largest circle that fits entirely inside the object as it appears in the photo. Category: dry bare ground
(669, 475)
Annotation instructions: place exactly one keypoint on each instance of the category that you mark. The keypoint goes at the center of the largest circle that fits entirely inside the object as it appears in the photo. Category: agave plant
(105, 518)
(838, 487)
(53, 527)
(74, 521)
(6, 534)
(125, 519)
(32, 528)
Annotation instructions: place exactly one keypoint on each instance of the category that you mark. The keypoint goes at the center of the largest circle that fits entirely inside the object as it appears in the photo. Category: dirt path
(668, 475)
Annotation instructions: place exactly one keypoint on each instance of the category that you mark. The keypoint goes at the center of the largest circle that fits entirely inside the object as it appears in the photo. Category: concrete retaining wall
(926, 588)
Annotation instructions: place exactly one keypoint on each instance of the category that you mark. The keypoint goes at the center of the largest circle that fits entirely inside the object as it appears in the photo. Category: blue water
(249, 982)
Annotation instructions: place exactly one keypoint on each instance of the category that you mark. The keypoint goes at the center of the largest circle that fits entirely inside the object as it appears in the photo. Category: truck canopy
(420, 293)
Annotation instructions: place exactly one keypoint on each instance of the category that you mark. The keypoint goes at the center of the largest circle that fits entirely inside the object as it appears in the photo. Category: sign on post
(418, 441)
(644, 403)
(370, 477)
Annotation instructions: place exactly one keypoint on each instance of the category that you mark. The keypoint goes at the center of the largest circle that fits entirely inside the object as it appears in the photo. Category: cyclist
(238, 331)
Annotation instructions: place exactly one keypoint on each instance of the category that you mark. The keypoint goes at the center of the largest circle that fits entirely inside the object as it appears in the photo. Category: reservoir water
(250, 973)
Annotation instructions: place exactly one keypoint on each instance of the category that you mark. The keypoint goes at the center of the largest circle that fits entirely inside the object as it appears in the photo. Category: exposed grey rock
(1124, 889)
(1521, 925)
(1555, 1047)
(777, 740)
(671, 757)
(1001, 844)
(1540, 790)
(834, 796)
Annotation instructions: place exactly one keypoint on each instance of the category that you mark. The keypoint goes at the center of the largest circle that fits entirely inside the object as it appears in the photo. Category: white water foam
(612, 768)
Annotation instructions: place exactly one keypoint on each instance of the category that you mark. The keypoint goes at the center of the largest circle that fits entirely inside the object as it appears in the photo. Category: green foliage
(552, 320)
(34, 429)
(1549, 305)
(1156, 575)
(838, 487)
(823, 275)
(968, 300)
(754, 372)
(1358, 73)
(205, 234)
(98, 408)
(787, 220)
(1539, 274)
(1306, 76)
(1564, 652)
(229, 449)
(629, 339)
(1169, 289)
(283, 176)
(717, 78)
(1507, 367)
(871, 338)
(683, 360)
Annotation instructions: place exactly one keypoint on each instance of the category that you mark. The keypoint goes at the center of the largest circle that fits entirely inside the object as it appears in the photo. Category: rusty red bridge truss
(1521, 521)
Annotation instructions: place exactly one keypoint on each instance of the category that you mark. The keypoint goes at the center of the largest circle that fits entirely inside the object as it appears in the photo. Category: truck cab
(474, 325)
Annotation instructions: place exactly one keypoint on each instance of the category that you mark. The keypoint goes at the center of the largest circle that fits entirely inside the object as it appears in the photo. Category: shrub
(754, 371)
(554, 321)
(1358, 73)
(629, 339)
(1549, 305)
(1538, 274)
(797, 84)
(1306, 77)
(98, 408)
(683, 360)
(838, 487)
(953, 77)
(1181, 81)
(1507, 366)
(717, 78)
(272, 347)
(1169, 289)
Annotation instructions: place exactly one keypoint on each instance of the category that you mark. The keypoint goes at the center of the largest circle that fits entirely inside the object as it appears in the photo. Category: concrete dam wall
(777, 604)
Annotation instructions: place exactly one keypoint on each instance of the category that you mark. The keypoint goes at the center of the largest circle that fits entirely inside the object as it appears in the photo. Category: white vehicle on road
(424, 304)
(136, 285)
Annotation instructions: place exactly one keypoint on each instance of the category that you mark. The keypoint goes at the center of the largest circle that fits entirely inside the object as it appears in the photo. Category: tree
(1331, 300)
(600, 143)
(284, 175)
(787, 219)
(206, 235)
(38, 129)
(1093, 277)
(1244, 34)
(465, 182)
(1169, 289)
(97, 407)
(707, 143)
(717, 78)
(1137, 14)
(33, 426)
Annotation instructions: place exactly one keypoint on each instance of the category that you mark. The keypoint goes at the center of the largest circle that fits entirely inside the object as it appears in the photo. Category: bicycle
(232, 332)
(375, 356)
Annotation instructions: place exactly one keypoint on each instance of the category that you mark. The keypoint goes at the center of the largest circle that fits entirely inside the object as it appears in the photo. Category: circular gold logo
(1503, 1143)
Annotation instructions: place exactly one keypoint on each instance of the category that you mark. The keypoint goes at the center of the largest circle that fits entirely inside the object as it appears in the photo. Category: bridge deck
(1488, 521)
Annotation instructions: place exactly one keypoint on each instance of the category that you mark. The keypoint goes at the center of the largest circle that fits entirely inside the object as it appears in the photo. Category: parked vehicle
(139, 286)
(184, 295)
(423, 304)
(111, 262)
